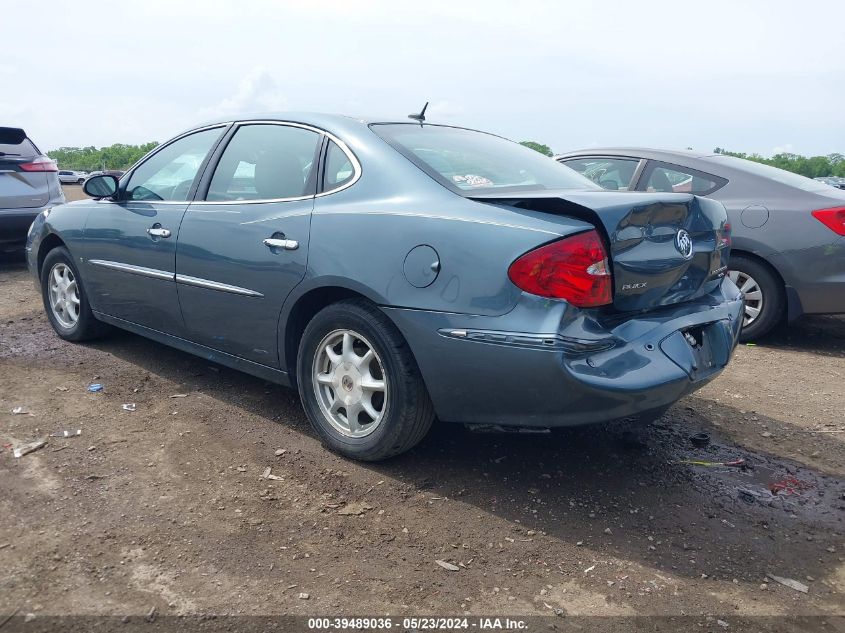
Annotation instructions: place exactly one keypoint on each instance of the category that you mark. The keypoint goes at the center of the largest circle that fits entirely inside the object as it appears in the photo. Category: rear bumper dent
(499, 376)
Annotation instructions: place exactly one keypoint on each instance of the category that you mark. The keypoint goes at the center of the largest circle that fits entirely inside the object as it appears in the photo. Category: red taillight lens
(574, 268)
(42, 163)
(834, 219)
(724, 236)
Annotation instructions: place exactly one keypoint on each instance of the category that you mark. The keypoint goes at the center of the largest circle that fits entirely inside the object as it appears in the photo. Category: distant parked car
(394, 271)
(833, 181)
(72, 177)
(788, 251)
(109, 172)
(28, 185)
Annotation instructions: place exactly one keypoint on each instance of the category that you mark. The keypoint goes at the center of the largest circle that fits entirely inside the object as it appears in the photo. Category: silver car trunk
(20, 189)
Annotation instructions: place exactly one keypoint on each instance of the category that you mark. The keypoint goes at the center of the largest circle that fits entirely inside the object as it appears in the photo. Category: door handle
(288, 245)
(158, 232)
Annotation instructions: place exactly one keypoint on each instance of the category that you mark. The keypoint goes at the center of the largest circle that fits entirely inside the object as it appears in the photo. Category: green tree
(538, 147)
(117, 156)
(811, 167)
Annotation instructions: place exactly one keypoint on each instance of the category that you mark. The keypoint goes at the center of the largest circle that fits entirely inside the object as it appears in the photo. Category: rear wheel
(65, 300)
(359, 383)
(763, 294)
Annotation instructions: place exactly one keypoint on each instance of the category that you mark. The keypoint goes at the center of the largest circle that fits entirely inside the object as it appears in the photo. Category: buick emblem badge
(683, 242)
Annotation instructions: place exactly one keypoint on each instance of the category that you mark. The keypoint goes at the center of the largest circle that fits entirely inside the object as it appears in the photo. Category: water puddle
(750, 479)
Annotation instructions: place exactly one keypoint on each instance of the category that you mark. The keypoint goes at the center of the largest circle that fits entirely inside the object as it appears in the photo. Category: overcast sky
(755, 76)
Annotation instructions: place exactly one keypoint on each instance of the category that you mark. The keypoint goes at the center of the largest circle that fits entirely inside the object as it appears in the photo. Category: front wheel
(65, 300)
(763, 294)
(359, 383)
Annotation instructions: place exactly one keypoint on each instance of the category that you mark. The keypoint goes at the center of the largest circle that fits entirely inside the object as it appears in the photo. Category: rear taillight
(42, 163)
(724, 236)
(834, 219)
(574, 268)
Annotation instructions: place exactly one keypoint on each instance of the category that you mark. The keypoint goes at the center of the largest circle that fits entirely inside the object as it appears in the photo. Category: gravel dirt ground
(73, 192)
(169, 506)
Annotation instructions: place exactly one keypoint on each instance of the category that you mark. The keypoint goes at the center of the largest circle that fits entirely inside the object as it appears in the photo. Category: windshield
(470, 162)
(767, 171)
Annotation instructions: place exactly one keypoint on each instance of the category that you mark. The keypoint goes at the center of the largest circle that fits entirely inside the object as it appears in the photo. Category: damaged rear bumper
(548, 364)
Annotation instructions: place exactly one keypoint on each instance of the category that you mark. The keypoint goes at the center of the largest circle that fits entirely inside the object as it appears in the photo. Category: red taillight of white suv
(574, 268)
(42, 163)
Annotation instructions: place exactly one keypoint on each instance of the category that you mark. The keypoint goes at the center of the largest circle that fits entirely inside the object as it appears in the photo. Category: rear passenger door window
(664, 177)
(615, 174)
(266, 162)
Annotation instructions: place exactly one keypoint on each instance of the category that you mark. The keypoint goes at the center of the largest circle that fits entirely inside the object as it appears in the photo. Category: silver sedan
(788, 231)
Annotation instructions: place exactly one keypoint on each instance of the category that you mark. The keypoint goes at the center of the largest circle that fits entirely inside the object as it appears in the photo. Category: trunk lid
(20, 189)
(664, 248)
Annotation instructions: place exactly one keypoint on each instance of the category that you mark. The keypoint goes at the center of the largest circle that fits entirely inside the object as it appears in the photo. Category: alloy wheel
(350, 383)
(64, 295)
(751, 292)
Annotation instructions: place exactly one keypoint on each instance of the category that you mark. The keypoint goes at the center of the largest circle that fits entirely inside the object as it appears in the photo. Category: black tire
(774, 297)
(81, 181)
(87, 326)
(408, 412)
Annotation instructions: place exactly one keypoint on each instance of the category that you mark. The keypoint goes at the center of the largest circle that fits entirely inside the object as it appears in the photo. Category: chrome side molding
(135, 270)
(181, 279)
(216, 285)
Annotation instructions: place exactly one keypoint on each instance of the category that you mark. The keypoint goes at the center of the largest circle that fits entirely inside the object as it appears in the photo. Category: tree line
(117, 156)
(811, 167)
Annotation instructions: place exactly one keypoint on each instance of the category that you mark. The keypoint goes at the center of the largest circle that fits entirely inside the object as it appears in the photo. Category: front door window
(169, 174)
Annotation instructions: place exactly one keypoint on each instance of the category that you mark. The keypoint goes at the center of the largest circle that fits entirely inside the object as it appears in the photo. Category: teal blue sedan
(398, 272)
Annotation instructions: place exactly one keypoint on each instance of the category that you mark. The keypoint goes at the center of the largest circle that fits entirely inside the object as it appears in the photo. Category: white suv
(72, 177)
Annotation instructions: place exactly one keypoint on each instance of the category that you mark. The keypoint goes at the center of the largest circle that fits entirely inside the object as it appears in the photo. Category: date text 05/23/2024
(419, 623)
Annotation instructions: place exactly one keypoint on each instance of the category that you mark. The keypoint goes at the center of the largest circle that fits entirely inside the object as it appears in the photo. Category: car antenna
(421, 116)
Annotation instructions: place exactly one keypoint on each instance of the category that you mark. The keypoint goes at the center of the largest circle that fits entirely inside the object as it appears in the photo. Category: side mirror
(103, 186)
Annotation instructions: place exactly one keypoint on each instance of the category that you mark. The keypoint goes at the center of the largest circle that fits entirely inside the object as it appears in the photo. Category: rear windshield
(767, 171)
(13, 142)
(470, 162)
(21, 149)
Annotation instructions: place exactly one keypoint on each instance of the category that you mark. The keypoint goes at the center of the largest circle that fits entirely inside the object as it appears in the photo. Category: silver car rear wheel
(751, 292)
(350, 383)
(64, 295)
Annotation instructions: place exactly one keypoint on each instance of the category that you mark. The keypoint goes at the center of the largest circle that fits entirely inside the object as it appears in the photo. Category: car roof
(722, 165)
(317, 119)
(639, 152)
